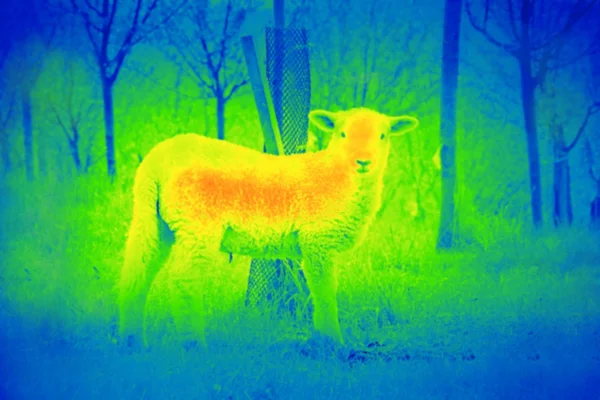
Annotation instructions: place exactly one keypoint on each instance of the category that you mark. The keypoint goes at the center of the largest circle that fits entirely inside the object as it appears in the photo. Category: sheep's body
(217, 197)
(264, 200)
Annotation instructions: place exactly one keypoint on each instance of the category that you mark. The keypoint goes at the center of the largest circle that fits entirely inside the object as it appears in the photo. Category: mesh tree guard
(289, 82)
(288, 74)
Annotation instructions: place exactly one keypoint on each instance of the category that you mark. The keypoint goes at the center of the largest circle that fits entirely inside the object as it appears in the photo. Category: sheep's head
(361, 136)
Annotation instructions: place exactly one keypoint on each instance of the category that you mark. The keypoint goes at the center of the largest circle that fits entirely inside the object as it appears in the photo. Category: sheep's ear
(322, 119)
(401, 125)
(317, 140)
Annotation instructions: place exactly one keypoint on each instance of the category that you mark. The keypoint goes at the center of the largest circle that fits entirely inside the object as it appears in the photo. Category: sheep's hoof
(131, 344)
(194, 345)
(191, 345)
(320, 346)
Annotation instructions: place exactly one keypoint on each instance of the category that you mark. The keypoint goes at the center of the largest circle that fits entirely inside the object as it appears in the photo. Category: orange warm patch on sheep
(362, 134)
(362, 130)
(211, 193)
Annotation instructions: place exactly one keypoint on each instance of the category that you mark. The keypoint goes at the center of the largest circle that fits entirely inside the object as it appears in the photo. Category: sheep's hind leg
(188, 269)
(147, 247)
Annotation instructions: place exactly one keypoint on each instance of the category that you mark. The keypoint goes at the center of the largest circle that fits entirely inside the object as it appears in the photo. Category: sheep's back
(207, 180)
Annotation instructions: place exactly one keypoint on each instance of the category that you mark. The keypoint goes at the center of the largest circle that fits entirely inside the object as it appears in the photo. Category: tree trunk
(109, 127)
(5, 151)
(355, 95)
(595, 205)
(568, 195)
(533, 155)
(42, 156)
(177, 94)
(562, 210)
(27, 133)
(450, 56)
(207, 117)
(220, 117)
(595, 208)
(74, 149)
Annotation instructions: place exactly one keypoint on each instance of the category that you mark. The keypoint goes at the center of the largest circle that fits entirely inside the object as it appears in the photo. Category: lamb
(215, 198)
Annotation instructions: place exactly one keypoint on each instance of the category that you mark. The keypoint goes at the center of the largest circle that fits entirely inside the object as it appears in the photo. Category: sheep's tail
(142, 250)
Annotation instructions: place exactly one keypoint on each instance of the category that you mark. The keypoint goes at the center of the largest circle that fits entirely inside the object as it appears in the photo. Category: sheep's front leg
(321, 278)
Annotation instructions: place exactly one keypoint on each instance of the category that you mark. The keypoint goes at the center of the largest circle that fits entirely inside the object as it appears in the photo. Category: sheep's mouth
(363, 170)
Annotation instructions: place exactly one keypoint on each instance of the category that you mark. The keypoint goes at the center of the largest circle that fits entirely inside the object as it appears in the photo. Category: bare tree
(595, 175)
(536, 34)
(562, 211)
(7, 101)
(592, 142)
(5, 116)
(27, 35)
(113, 29)
(450, 57)
(206, 44)
(362, 54)
(70, 110)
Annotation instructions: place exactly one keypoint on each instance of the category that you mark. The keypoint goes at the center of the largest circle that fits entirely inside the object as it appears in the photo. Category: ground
(492, 320)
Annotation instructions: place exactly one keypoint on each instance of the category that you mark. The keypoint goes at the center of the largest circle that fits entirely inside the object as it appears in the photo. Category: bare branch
(594, 178)
(235, 88)
(89, 161)
(210, 86)
(118, 60)
(209, 62)
(191, 66)
(592, 109)
(577, 12)
(486, 13)
(92, 25)
(149, 11)
(106, 30)
(76, 119)
(590, 49)
(510, 49)
(223, 43)
(94, 9)
(61, 124)
(88, 25)
(134, 23)
(10, 110)
(88, 29)
(217, 70)
(160, 23)
(127, 43)
(511, 20)
(133, 36)
(111, 16)
(590, 159)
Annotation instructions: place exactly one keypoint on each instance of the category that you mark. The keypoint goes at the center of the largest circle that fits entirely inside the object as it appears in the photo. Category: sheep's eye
(382, 136)
(342, 135)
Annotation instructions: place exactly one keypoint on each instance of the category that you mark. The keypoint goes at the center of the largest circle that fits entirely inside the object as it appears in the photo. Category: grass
(507, 316)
